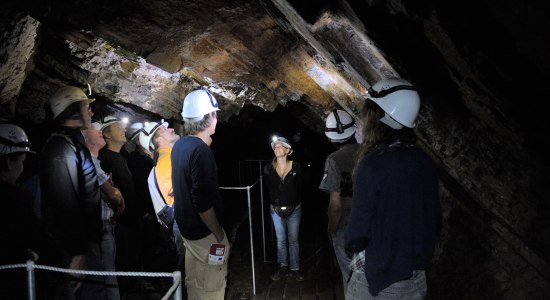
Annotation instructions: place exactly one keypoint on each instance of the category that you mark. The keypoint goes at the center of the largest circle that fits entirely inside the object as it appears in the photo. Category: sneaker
(297, 275)
(281, 272)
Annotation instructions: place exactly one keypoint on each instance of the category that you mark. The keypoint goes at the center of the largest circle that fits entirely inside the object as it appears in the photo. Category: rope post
(179, 291)
(30, 280)
(251, 241)
(262, 208)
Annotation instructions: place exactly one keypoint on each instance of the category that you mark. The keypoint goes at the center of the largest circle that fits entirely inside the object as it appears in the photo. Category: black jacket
(284, 191)
(71, 207)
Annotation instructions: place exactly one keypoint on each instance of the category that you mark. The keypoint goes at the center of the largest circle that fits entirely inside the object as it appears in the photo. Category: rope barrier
(84, 272)
(248, 188)
(174, 290)
(240, 188)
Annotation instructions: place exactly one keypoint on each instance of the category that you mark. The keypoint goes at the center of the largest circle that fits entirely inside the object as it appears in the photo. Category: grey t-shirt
(337, 177)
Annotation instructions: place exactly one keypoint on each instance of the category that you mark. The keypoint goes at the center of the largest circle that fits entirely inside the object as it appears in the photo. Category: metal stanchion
(179, 290)
(30, 280)
(262, 206)
(251, 241)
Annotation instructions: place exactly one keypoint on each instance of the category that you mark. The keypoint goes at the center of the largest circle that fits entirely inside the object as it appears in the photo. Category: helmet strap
(340, 128)
(388, 120)
(384, 93)
(10, 143)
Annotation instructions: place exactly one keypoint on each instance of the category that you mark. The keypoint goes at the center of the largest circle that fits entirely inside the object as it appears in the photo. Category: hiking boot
(297, 275)
(281, 272)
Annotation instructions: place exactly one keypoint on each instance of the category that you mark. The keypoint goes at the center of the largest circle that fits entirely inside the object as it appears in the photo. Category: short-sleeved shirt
(195, 185)
(102, 177)
(337, 177)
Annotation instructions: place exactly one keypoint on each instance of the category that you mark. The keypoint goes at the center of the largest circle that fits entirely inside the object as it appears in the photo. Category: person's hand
(110, 180)
(116, 202)
(78, 262)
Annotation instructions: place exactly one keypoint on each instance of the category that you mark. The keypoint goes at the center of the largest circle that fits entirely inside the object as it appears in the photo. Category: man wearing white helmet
(70, 192)
(395, 215)
(128, 224)
(340, 129)
(197, 201)
(159, 139)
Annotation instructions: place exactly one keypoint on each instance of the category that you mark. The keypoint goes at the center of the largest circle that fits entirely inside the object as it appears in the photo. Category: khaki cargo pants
(204, 281)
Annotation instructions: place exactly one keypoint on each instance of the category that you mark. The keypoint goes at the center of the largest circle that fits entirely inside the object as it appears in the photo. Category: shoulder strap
(157, 185)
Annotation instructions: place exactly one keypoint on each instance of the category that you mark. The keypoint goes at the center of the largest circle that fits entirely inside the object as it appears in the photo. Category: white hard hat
(197, 104)
(399, 99)
(281, 140)
(110, 120)
(147, 132)
(134, 130)
(13, 139)
(66, 96)
(96, 125)
(339, 126)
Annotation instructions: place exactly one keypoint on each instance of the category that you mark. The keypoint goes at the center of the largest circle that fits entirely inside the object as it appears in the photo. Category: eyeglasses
(382, 93)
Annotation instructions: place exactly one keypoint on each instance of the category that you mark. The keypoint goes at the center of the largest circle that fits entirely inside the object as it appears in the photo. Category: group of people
(100, 186)
(99, 182)
(384, 214)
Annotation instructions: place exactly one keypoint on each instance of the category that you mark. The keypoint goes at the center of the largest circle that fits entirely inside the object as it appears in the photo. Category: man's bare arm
(334, 211)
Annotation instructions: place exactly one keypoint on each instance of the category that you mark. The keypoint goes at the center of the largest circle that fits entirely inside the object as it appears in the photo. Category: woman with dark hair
(284, 180)
(396, 214)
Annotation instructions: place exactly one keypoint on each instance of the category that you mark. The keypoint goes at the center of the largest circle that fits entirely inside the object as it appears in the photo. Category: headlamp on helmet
(283, 141)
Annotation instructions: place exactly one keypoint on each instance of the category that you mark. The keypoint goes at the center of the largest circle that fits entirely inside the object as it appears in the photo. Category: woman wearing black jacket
(284, 178)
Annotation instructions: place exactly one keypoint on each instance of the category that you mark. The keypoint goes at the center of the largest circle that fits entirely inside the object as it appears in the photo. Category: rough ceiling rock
(481, 67)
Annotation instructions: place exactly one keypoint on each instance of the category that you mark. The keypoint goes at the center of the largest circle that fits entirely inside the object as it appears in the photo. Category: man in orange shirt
(158, 138)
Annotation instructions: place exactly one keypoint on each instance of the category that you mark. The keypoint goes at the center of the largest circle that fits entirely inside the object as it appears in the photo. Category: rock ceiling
(481, 67)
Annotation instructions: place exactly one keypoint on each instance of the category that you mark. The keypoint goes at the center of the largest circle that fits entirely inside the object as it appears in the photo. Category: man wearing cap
(112, 203)
(70, 193)
(129, 224)
(197, 201)
(160, 139)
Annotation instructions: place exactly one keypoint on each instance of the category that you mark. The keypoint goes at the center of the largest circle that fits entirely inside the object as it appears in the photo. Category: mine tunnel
(280, 67)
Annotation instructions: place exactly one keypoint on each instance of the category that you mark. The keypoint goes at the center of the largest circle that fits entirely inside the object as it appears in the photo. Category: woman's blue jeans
(287, 231)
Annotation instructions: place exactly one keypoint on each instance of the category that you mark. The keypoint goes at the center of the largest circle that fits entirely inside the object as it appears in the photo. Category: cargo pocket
(212, 278)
